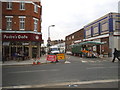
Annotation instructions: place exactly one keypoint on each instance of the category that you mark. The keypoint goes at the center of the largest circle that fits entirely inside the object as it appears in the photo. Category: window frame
(35, 24)
(22, 23)
(22, 5)
(9, 22)
(9, 6)
(35, 8)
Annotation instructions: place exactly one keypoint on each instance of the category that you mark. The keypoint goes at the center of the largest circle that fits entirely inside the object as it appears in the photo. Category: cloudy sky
(69, 16)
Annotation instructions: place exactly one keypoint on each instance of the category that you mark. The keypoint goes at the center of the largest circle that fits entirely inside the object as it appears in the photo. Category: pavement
(42, 60)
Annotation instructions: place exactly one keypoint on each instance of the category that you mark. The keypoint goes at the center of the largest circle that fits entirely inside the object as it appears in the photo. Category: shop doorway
(98, 49)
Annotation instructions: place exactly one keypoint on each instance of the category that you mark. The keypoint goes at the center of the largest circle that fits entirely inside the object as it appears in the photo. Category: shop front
(92, 47)
(24, 45)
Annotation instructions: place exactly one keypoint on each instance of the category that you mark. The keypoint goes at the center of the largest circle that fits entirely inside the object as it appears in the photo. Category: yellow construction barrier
(61, 56)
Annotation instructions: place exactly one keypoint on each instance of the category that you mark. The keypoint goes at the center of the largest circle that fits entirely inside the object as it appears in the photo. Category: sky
(69, 16)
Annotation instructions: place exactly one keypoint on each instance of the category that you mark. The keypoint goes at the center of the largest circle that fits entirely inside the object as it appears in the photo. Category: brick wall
(70, 39)
(16, 12)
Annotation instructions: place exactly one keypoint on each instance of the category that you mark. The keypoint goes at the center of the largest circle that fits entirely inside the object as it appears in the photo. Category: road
(80, 73)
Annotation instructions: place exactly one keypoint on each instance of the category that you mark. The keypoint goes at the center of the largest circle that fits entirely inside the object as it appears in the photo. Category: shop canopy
(88, 43)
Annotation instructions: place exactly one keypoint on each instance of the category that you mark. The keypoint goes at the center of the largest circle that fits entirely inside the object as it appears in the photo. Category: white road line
(65, 83)
(35, 71)
(83, 61)
(96, 67)
(88, 61)
(102, 67)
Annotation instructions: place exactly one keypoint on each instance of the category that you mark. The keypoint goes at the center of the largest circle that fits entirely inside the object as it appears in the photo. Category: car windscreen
(54, 49)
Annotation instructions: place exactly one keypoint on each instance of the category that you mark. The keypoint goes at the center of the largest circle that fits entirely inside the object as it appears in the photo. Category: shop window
(18, 43)
(22, 5)
(9, 5)
(8, 23)
(22, 23)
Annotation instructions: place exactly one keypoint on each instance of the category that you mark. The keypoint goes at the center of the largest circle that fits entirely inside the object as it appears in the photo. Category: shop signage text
(21, 36)
(15, 37)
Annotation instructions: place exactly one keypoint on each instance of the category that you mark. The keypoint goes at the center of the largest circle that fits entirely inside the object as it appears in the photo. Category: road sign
(51, 57)
(61, 56)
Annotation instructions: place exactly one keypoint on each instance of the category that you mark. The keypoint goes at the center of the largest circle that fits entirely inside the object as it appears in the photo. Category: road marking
(63, 84)
(35, 71)
(102, 67)
(89, 61)
(67, 62)
(83, 61)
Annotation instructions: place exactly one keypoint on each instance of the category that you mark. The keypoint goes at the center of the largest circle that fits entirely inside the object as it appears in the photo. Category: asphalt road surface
(76, 73)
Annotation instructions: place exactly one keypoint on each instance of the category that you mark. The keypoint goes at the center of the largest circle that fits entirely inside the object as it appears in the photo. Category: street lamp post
(48, 42)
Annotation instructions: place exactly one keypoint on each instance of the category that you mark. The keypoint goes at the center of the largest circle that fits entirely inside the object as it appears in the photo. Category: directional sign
(51, 57)
(60, 56)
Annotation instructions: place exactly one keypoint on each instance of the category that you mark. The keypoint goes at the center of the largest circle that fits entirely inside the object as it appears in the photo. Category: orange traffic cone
(38, 62)
(34, 62)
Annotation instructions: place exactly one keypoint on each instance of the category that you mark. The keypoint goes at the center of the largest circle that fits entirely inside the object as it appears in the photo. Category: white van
(54, 50)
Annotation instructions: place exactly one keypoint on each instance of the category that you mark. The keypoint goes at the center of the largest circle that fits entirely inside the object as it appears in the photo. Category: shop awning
(88, 43)
(91, 43)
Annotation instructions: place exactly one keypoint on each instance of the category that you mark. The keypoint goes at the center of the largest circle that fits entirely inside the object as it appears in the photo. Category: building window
(95, 30)
(8, 23)
(117, 25)
(73, 37)
(22, 5)
(104, 28)
(70, 38)
(9, 5)
(35, 24)
(35, 8)
(22, 23)
(88, 33)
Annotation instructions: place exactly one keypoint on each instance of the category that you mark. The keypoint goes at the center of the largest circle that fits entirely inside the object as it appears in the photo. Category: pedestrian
(116, 55)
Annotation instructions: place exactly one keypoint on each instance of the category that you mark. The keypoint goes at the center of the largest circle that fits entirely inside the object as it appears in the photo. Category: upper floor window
(9, 5)
(9, 22)
(22, 22)
(95, 30)
(88, 33)
(35, 24)
(104, 27)
(22, 5)
(117, 25)
(73, 37)
(35, 8)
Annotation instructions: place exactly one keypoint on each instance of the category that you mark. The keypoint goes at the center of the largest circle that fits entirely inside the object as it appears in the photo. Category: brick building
(73, 38)
(106, 29)
(101, 35)
(54, 42)
(21, 27)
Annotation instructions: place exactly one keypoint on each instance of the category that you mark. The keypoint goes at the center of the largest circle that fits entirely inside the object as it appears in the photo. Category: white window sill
(22, 9)
(22, 29)
(9, 8)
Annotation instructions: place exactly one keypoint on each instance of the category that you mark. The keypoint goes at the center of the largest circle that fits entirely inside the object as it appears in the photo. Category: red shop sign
(51, 57)
(21, 37)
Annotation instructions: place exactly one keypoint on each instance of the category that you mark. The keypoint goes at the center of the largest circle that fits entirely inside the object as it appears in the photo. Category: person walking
(116, 55)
